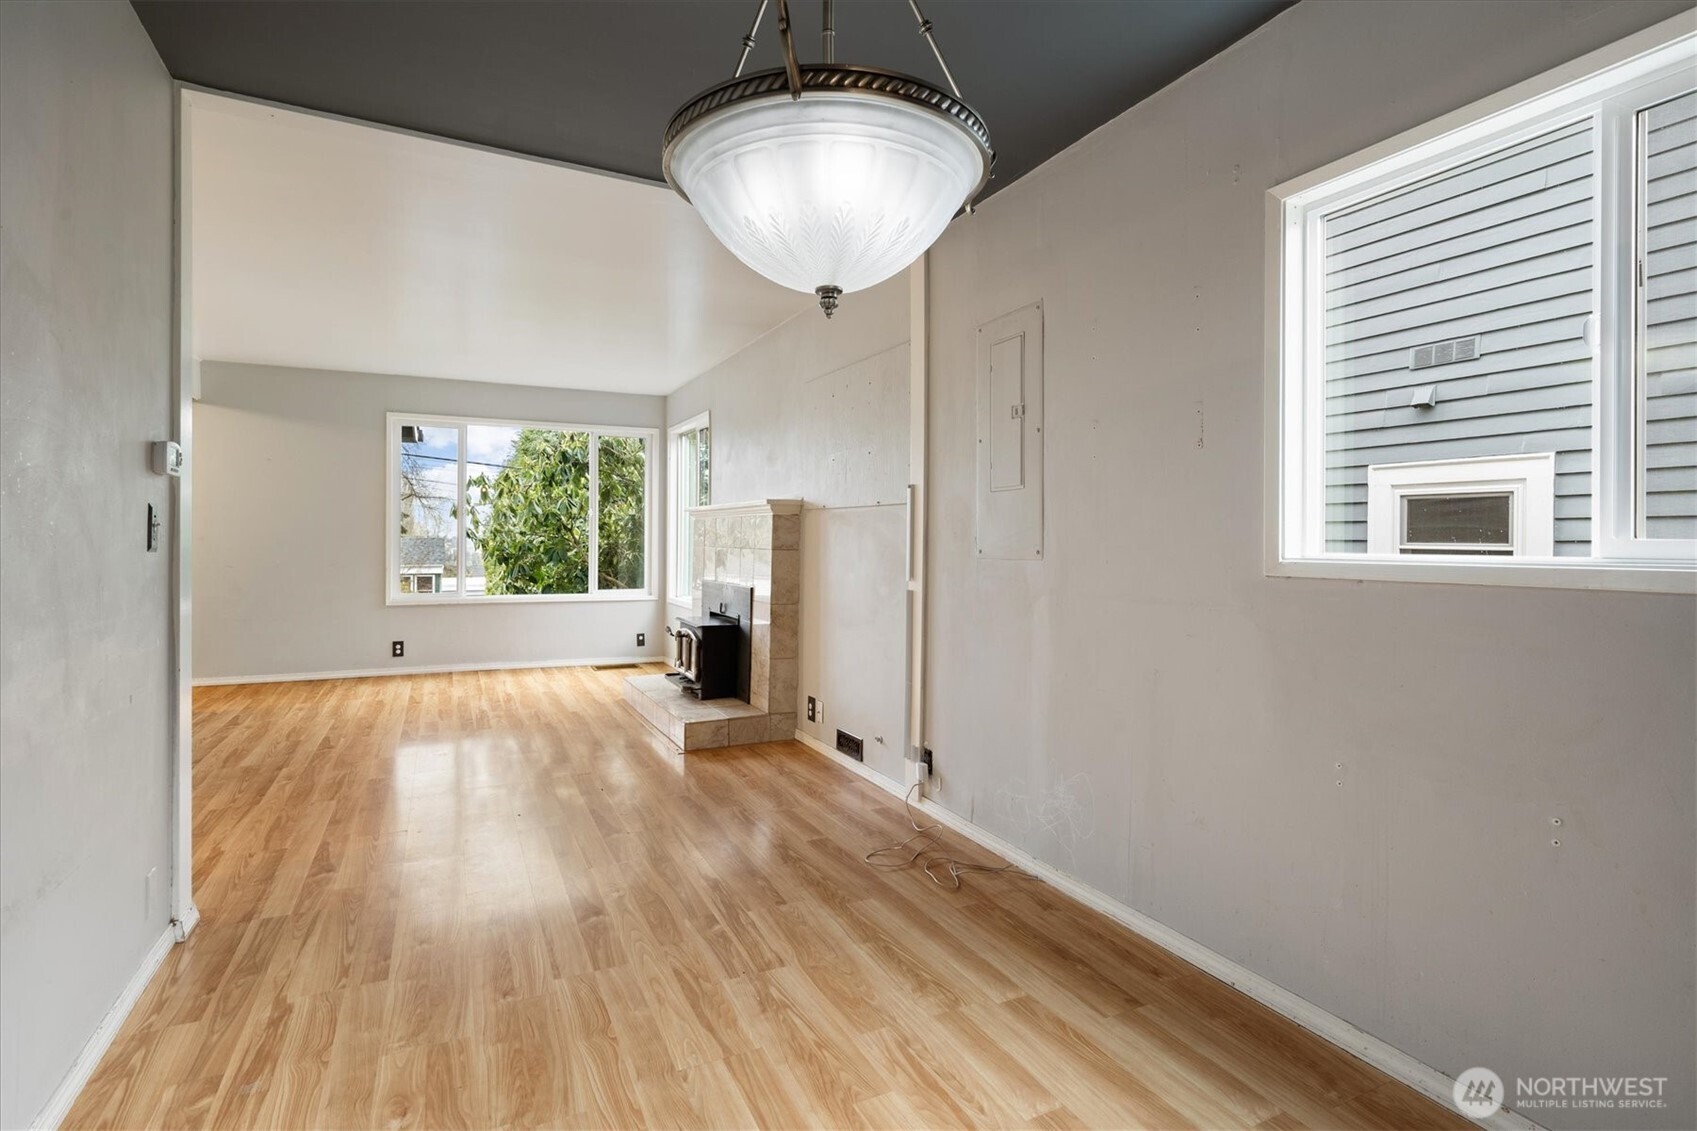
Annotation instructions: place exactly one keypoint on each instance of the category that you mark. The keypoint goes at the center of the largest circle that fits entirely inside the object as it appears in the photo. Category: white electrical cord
(923, 848)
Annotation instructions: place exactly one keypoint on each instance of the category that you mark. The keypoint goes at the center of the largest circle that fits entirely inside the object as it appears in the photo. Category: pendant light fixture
(823, 177)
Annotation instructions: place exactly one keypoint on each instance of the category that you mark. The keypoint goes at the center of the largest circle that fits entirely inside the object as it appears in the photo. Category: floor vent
(611, 667)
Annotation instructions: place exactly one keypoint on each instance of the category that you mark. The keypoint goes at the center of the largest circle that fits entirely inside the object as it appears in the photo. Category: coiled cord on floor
(924, 848)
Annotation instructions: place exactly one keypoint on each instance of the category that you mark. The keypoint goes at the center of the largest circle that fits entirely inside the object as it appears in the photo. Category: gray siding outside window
(1669, 220)
(1500, 248)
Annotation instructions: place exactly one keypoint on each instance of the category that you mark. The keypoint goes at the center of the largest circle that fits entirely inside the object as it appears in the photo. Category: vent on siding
(1443, 353)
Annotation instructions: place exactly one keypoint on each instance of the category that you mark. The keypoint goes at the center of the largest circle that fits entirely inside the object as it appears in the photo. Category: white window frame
(392, 557)
(1528, 480)
(1606, 86)
(679, 588)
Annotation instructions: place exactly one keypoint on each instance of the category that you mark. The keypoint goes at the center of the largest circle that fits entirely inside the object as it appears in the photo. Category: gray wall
(818, 410)
(290, 519)
(85, 383)
(1345, 787)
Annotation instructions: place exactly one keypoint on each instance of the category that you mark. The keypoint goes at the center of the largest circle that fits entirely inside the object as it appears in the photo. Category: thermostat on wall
(167, 457)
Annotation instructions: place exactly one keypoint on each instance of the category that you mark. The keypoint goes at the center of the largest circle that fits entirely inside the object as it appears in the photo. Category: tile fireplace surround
(757, 544)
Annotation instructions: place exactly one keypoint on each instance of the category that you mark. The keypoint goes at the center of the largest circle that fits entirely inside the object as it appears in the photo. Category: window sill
(1633, 577)
(524, 599)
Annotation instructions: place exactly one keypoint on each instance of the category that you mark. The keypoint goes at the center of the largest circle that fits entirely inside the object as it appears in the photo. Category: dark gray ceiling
(593, 82)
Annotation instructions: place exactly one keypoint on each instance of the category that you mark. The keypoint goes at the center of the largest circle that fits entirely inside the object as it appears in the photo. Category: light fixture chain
(748, 40)
(925, 30)
(791, 68)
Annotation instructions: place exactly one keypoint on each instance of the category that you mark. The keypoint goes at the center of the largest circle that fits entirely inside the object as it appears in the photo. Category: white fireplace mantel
(753, 506)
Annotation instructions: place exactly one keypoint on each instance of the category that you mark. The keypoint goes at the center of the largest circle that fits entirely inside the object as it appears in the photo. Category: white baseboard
(428, 669)
(183, 925)
(1388, 1059)
(59, 1104)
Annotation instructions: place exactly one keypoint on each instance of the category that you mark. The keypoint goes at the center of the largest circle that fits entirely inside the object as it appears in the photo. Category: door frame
(184, 389)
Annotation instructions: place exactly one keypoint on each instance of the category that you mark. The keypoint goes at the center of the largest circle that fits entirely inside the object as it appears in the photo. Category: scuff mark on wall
(1063, 811)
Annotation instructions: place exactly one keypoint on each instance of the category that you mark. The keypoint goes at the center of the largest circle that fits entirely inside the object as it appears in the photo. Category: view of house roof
(423, 550)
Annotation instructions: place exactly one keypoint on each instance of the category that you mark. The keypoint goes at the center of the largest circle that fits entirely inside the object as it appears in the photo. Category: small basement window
(1476, 507)
(1448, 524)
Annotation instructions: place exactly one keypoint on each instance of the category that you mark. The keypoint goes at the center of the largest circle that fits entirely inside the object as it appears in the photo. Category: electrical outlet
(152, 530)
(397, 648)
(642, 640)
(925, 760)
(812, 709)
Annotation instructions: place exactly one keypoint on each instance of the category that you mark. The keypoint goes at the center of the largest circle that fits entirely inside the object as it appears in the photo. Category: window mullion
(684, 526)
(392, 538)
(677, 524)
(1611, 340)
(1636, 252)
(462, 581)
(674, 513)
(594, 585)
(1314, 384)
(650, 484)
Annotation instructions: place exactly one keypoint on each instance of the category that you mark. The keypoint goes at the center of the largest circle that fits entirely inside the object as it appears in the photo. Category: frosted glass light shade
(840, 188)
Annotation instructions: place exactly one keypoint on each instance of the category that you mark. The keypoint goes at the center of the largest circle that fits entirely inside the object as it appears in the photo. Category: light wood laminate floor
(496, 899)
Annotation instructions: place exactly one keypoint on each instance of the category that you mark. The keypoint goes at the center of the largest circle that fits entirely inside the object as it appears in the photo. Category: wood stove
(705, 656)
(711, 650)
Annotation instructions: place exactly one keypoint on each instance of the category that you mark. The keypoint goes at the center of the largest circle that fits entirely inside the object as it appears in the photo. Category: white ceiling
(332, 245)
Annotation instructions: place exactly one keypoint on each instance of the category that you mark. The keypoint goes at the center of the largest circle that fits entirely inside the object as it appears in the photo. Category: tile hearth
(702, 724)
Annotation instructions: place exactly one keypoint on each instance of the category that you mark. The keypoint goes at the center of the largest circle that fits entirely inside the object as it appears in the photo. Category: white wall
(85, 319)
(818, 410)
(1345, 787)
(290, 520)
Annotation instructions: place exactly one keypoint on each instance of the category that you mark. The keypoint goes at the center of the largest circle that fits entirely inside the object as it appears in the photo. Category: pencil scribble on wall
(1063, 811)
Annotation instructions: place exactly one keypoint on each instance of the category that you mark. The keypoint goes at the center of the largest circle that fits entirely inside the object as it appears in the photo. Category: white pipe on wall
(918, 384)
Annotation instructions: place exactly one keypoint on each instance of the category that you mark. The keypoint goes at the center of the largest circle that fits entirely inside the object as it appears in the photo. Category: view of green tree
(530, 520)
(622, 475)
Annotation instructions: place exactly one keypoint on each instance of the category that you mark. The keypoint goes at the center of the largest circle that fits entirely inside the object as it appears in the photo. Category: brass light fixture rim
(826, 78)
